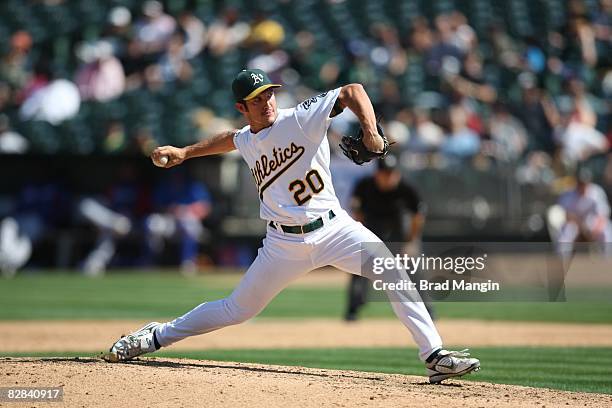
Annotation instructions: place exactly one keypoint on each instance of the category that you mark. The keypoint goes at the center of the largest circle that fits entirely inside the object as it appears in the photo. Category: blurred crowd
(514, 85)
(448, 89)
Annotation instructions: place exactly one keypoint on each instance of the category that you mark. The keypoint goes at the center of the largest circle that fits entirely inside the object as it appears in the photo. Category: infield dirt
(189, 383)
(80, 335)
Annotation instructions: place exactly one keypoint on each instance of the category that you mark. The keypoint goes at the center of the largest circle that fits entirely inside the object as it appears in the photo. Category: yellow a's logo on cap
(257, 78)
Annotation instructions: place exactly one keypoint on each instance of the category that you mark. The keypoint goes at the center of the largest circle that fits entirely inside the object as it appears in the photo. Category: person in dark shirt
(537, 112)
(381, 202)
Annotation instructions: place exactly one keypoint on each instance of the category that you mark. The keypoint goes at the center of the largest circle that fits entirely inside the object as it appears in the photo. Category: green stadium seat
(76, 136)
(43, 137)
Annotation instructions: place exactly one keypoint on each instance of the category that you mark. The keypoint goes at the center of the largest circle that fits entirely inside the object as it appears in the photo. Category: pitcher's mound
(89, 382)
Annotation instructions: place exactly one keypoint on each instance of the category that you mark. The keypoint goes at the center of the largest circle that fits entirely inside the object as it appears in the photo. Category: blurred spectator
(149, 39)
(227, 32)
(208, 124)
(464, 36)
(470, 82)
(114, 217)
(42, 206)
(101, 78)
(119, 18)
(536, 170)
(54, 102)
(120, 33)
(587, 216)
(505, 48)
(172, 65)
(357, 67)
(422, 38)
(574, 47)
(535, 60)
(118, 30)
(461, 142)
(266, 32)
(266, 37)
(576, 133)
(271, 60)
(15, 248)
(388, 54)
(508, 135)
(584, 102)
(15, 67)
(195, 34)
(10, 141)
(581, 39)
(428, 136)
(154, 30)
(180, 205)
(537, 112)
(398, 130)
(390, 100)
(602, 25)
(438, 46)
(578, 141)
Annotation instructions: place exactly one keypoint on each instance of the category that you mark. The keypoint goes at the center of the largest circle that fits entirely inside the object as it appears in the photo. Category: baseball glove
(354, 149)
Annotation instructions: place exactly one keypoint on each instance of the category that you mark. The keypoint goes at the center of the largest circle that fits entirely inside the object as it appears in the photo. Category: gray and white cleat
(133, 345)
(449, 364)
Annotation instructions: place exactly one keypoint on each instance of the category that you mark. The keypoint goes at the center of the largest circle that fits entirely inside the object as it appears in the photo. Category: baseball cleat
(448, 364)
(133, 345)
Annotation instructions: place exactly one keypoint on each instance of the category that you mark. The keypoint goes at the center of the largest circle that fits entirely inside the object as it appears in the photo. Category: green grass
(571, 369)
(159, 295)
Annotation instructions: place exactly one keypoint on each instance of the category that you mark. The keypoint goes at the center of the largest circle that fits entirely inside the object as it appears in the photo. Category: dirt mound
(186, 383)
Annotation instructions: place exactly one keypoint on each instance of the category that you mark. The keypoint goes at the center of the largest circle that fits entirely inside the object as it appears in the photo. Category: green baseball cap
(249, 83)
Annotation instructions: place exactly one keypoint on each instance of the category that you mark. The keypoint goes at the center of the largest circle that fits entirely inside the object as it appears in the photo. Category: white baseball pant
(285, 257)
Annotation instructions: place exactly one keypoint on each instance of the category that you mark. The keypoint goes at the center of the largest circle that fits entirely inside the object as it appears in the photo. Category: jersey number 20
(298, 187)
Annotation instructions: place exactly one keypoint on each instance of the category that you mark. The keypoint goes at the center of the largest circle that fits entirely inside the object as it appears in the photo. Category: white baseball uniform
(593, 214)
(290, 164)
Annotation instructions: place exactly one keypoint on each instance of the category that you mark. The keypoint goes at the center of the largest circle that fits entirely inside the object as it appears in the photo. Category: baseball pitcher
(288, 154)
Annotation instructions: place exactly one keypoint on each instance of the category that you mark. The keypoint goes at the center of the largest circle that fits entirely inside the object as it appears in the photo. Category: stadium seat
(43, 137)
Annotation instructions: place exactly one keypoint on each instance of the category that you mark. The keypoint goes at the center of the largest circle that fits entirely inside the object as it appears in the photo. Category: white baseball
(161, 162)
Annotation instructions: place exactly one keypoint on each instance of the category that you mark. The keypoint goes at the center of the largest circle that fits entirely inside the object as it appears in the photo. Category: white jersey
(588, 207)
(290, 162)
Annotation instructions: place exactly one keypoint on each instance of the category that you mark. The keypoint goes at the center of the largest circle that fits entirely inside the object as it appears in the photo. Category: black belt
(303, 229)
